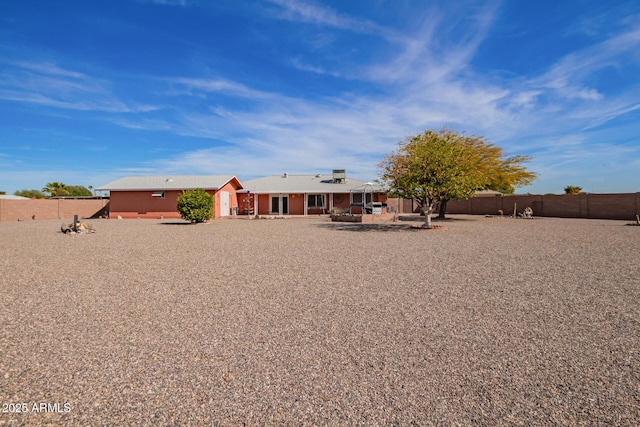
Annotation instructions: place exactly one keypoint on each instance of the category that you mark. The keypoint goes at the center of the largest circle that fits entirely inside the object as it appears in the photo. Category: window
(315, 201)
(357, 197)
(158, 194)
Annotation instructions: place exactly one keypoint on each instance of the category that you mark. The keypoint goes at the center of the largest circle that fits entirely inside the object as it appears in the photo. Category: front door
(279, 204)
(224, 203)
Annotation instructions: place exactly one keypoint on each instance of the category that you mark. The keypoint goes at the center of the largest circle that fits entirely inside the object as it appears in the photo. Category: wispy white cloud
(299, 64)
(440, 47)
(312, 13)
(194, 86)
(569, 75)
(46, 84)
(50, 69)
(414, 91)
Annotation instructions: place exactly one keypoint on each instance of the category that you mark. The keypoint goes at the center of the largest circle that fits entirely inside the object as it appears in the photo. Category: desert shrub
(195, 205)
(572, 189)
(339, 211)
(32, 194)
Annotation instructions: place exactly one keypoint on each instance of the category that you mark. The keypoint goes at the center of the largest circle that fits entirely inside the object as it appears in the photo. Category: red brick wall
(296, 204)
(242, 205)
(141, 204)
(341, 200)
(263, 204)
(14, 210)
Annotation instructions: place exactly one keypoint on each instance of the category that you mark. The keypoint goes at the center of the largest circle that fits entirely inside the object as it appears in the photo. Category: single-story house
(157, 196)
(307, 194)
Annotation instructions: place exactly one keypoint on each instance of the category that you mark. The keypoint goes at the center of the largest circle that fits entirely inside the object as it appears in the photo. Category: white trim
(255, 204)
(281, 197)
(305, 204)
(225, 209)
(324, 201)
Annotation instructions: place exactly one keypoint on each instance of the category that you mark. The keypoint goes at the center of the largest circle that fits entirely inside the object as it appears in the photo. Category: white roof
(168, 182)
(307, 184)
(12, 197)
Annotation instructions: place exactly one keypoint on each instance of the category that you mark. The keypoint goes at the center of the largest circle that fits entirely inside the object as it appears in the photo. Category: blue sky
(91, 91)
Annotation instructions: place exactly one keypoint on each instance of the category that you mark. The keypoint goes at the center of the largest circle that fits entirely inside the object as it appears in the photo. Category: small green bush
(195, 205)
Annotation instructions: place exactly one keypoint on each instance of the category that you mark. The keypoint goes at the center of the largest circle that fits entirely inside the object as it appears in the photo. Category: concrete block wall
(401, 205)
(28, 210)
(605, 206)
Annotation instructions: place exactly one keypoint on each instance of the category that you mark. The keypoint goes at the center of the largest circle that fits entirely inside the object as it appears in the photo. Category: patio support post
(255, 203)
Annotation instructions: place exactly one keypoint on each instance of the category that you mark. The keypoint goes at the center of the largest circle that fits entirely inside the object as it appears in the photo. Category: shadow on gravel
(416, 218)
(346, 226)
(176, 223)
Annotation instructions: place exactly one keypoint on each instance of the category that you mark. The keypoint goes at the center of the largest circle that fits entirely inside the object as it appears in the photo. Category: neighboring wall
(402, 205)
(605, 206)
(23, 210)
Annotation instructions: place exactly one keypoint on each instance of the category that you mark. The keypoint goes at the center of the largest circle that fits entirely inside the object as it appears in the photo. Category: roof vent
(284, 175)
(168, 180)
(339, 176)
(318, 175)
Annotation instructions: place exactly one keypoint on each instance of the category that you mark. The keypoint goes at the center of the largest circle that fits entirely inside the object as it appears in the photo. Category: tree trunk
(427, 207)
(443, 209)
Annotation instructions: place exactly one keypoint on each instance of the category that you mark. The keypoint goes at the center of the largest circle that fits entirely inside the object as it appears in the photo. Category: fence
(23, 210)
(605, 206)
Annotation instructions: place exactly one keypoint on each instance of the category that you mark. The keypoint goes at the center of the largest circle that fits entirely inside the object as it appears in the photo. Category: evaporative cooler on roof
(339, 176)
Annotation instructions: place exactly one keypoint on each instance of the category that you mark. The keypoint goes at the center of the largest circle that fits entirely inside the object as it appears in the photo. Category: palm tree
(55, 189)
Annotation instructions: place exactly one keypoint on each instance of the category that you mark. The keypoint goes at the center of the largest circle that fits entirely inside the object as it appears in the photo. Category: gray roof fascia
(167, 182)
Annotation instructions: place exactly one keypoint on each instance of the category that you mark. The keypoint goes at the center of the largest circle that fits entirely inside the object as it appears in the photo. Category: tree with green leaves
(438, 166)
(78, 191)
(56, 189)
(571, 189)
(195, 205)
(31, 194)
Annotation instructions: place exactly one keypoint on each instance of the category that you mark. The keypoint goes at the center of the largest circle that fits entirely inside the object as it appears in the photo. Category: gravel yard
(302, 321)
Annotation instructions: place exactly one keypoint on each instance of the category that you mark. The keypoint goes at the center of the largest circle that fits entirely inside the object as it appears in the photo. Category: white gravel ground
(306, 322)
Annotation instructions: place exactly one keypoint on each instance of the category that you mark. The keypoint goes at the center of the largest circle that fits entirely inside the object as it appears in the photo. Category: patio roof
(320, 183)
